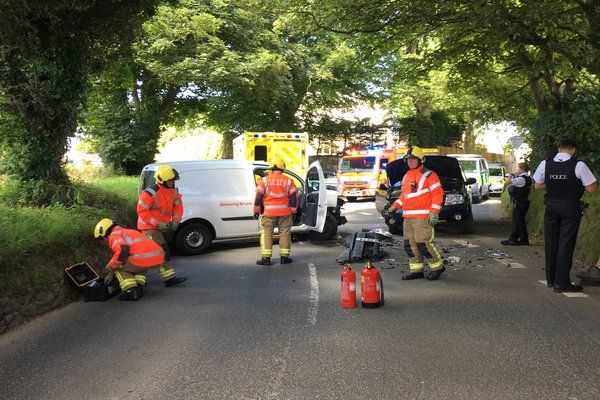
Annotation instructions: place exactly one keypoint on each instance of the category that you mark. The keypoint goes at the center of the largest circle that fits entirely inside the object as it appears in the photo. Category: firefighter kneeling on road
(277, 195)
(421, 202)
(160, 208)
(133, 255)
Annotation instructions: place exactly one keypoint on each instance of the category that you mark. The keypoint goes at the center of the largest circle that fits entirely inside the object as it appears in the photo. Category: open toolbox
(93, 287)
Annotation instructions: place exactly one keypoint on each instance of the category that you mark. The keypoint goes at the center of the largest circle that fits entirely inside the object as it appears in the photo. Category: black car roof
(441, 165)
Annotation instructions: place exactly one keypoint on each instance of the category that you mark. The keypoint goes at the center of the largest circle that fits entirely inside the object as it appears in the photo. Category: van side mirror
(470, 181)
(382, 186)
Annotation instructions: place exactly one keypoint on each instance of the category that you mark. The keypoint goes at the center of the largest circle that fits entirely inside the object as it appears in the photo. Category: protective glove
(162, 226)
(390, 211)
(108, 279)
(256, 216)
(433, 219)
(174, 225)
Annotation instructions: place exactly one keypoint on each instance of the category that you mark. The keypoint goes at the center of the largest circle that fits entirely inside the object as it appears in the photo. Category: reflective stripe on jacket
(277, 195)
(158, 203)
(422, 193)
(135, 247)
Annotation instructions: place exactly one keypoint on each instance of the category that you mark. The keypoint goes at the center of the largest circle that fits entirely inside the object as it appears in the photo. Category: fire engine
(362, 170)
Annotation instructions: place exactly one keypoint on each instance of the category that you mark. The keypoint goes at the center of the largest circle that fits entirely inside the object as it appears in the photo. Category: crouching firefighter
(277, 200)
(421, 202)
(133, 255)
(159, 209)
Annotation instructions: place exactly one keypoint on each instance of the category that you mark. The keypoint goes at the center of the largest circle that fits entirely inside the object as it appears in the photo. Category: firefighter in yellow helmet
(133, 255)
(276, 202)
(420, 201)
(159, 209)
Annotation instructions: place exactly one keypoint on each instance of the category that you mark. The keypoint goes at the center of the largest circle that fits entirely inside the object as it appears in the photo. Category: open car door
(314, 210)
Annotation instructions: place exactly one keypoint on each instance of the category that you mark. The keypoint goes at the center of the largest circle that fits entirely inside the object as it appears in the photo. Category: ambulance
(362, 170)
(265, 146)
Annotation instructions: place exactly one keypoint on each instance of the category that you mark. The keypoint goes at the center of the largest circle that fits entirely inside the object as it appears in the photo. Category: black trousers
(561, 223)
(519, 227)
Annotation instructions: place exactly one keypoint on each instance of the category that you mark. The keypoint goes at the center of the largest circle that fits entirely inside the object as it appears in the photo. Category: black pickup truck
(456, 208)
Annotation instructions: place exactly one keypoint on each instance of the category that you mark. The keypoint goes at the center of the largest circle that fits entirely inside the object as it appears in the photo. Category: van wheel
(351, 199)
(194, 238)
(329, 231)
(465, 225)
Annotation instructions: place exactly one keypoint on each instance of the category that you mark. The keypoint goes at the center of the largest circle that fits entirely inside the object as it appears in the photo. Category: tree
(47, 50)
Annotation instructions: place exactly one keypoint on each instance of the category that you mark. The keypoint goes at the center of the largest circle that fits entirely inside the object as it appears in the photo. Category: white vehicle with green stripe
(475, 166)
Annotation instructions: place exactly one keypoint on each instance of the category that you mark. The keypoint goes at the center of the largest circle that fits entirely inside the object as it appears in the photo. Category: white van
(218, 201)
(475, 166)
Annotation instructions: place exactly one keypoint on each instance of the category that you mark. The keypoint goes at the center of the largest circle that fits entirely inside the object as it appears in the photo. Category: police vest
(561, 182)
(521, 193)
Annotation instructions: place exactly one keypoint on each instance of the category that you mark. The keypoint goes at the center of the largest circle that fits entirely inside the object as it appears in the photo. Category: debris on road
(362, 246)
(453, 259)
(496, 254)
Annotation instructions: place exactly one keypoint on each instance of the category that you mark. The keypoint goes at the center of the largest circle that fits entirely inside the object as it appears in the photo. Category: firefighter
(159, 209)
(421, 202)
(133, 254)
(276, 199)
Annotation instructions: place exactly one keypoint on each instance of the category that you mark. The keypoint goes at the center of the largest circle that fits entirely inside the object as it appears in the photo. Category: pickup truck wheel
(329, 231)
(194, 238)
(466, 225)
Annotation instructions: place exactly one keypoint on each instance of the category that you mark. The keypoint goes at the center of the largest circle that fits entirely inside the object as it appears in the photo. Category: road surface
(489, 329)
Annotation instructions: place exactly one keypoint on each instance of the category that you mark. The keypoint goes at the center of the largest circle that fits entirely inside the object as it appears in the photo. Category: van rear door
(314, 211)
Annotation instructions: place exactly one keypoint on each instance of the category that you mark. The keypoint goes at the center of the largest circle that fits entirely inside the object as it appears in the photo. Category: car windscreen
(357, 163)
(496, 171)
(468, 165)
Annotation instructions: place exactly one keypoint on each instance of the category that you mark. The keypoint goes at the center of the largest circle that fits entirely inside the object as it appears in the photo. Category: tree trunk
(227, 144)
(469, 140)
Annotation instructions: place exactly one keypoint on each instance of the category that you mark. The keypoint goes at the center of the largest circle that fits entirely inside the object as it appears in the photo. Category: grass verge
(37, 243)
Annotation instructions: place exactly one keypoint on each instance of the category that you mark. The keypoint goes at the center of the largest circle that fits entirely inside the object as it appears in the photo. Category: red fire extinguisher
(348, 287)
(371, 287)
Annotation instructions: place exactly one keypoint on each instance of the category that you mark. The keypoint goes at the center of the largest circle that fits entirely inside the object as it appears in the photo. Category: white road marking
(543, 282)
(576, 294)
(510, 263)
(314, 294)
(465, 244)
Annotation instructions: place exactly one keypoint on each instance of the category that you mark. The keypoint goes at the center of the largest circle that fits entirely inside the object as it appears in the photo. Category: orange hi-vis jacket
(156, 204)
(422, 193)
(135, 247)
(277, 194)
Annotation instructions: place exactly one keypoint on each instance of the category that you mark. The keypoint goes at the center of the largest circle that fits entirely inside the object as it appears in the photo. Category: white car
(218, 200)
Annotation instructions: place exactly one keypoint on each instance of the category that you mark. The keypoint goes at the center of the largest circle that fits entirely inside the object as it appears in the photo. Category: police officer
(565, 179)
(518, 189)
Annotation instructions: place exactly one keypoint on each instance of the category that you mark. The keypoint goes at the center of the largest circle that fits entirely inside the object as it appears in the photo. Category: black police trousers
(561, 223)
(519, 227)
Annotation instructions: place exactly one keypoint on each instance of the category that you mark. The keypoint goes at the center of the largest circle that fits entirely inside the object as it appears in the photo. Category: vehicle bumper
(357, 192)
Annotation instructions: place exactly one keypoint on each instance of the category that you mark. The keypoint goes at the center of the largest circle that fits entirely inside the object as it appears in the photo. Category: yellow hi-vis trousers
(418, 243)
(129, 275)
(267, 226)
(165, 271)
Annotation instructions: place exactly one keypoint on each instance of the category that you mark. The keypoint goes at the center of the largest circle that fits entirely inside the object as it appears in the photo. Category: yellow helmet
(165, 173)
(103, 227)
(278, 163)
(415, 151)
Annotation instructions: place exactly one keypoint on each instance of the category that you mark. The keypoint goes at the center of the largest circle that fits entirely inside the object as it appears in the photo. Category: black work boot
(434, 275)
(264, 261)
(509, 242)
(285, 260)
(413, 275)
(132, 294)
(175, 281)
